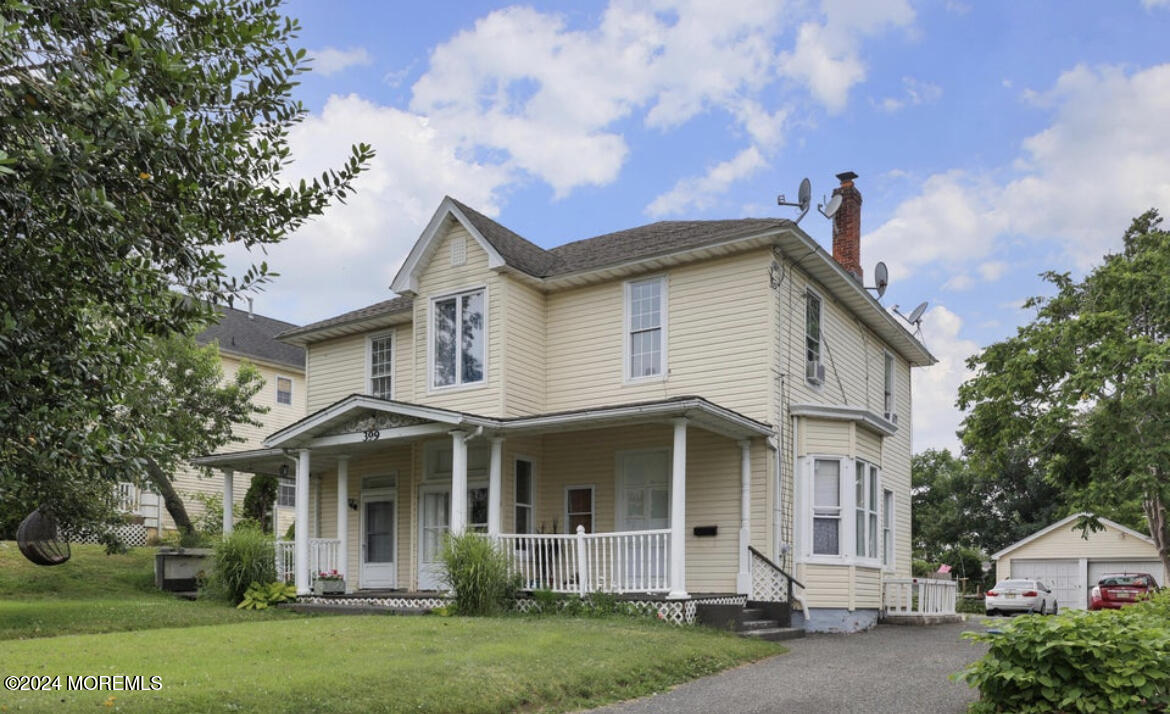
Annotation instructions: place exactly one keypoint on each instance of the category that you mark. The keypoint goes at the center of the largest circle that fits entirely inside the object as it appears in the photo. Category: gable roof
(251, 335)
(384, 311)
(1066, 521)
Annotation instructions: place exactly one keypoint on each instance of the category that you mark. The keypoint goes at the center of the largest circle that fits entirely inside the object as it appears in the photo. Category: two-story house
(689, 411)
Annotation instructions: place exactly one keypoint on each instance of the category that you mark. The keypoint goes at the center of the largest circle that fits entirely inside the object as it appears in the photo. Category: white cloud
(936, 418)
(330, 60)
(915, 91)
(1100, 162)
(992, 270)
(1150, 4)
(696, 194)
(826, 56)
(959, 283)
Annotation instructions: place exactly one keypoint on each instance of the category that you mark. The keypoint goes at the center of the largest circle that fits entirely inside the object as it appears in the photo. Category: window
(888, 401)
(283, 390)
(381, 366)
(524, 496)
(579, 508)
(477, 508)
(865, 509)
(645, 326)
(888, 528)
(458, 341)
(826, 507)
(812, 327)
(286, 493)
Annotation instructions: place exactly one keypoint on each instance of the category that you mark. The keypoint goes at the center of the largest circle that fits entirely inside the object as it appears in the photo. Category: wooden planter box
(329, 587)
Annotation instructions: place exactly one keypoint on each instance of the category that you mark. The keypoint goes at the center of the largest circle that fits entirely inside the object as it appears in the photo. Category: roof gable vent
(458, 250)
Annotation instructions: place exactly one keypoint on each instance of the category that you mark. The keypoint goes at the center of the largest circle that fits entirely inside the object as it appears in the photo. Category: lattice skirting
(406, 603)
(676, 612)
(132, 534)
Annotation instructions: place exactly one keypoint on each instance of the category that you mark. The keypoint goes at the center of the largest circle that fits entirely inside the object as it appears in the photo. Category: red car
(1116, 590)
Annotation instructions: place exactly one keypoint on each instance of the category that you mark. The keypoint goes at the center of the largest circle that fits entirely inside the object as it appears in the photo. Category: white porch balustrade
(323, 557)
(903, 597)
(581, 563)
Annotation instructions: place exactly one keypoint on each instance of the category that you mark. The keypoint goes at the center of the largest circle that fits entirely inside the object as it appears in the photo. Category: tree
(189, 410)
(1085, 386)
(138, 139)
(259, 498)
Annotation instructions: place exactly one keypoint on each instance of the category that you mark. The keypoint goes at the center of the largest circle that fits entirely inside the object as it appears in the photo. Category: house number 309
(371, 435)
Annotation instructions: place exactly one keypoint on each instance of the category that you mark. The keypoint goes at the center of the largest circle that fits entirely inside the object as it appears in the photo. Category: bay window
(457, 344)
(888, 528)
(826, 507)
(847, 513)
(866, 509)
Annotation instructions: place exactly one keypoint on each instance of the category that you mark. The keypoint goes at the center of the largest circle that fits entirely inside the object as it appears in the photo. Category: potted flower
(329, 582)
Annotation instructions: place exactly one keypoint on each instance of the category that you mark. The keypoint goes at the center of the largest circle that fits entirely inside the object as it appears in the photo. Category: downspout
(795, 550)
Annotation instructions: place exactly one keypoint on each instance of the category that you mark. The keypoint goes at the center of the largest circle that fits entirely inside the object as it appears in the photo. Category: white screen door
(645, 504)
(434, 506)
(379, 544)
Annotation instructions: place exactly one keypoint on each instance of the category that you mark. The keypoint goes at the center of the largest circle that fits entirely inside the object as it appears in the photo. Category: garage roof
(1066, 521)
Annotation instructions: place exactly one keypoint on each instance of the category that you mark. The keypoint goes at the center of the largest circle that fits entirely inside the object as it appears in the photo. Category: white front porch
(656, 499)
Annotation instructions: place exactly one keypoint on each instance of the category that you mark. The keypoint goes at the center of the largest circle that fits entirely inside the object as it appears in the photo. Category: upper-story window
(812, 327)
(283, 390)
(888, 399)
(381, 366)
(459, 324)
(646, 328)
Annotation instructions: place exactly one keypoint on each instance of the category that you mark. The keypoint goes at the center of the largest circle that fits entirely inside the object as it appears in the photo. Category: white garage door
(1097, 568)
(1062, 575)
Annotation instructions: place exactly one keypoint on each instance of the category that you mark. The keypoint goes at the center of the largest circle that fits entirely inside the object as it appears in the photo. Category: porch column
(458, 481)
(495, 492)
(343, 515)
(678, 513)
(301, 541)
(228, 500)
(743, 579)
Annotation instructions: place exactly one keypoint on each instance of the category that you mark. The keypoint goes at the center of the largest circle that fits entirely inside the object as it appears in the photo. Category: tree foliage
(139, 138)
(1084, 388)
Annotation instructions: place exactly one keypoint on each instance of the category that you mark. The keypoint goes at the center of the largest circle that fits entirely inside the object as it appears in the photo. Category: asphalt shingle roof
(253, 337)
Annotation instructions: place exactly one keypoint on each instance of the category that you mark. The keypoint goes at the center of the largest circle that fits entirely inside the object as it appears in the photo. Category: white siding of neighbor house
(1065, 542)
(189, 480)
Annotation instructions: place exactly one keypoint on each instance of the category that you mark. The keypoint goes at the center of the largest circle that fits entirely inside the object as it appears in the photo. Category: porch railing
(626, 562)
(918, 596)
(323, 557)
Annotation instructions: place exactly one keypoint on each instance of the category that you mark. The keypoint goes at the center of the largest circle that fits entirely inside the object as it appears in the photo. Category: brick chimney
(847, 226)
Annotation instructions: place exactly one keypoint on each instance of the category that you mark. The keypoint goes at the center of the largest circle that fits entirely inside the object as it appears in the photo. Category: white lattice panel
(768, 584)
(406, 603)
(132, 534)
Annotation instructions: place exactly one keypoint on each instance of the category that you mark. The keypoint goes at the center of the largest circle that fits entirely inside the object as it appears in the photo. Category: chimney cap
(847, 176)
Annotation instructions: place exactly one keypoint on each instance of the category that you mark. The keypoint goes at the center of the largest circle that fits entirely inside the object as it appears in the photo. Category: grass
(94, 592)
(379, 663)
(99, 614)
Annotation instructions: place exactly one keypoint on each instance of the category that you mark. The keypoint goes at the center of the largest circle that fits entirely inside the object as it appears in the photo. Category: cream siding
(1065, 542)
(338, 369)
(523, 349)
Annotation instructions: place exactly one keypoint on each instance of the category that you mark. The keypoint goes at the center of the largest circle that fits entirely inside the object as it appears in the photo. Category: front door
(644, 504)
(379, 519)
(434, 507)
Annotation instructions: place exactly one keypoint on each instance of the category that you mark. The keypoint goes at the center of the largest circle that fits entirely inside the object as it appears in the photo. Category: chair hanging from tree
(40, 541)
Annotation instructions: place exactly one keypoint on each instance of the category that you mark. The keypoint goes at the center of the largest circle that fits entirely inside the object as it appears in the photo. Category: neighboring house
(241, 336)
(697, 397)
(1071, 564)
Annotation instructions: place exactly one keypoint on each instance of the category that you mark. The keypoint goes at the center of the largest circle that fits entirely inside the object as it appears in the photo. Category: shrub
(259, 597)
(211, 522)
(246, 556)
(971, 605)
(478, 573)
(1106, 661)
(545, 600)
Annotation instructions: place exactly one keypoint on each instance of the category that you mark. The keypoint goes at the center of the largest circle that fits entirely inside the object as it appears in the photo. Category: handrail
(775, 567)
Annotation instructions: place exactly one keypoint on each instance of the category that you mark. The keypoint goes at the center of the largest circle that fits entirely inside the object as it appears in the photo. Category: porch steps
(758, 620)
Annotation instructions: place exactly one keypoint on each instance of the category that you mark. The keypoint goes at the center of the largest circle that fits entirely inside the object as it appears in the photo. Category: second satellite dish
(916, 314)
(830, 210)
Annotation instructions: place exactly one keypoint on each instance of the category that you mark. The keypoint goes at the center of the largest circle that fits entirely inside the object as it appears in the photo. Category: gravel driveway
(892, 668)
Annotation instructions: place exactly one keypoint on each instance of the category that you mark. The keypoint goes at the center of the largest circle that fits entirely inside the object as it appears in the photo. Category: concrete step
(746, 625)
(331, 609)
(753, 613)
(775, 634)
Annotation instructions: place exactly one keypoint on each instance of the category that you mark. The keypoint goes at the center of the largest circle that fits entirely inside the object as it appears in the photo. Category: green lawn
(72, 620)
(95, 592)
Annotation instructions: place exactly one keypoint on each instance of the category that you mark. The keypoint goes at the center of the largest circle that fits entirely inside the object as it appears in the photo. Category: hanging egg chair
(39, 540)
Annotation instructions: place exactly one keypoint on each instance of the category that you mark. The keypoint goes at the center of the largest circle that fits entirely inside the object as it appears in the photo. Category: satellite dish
(881, 278)
(830, 210)
(916, 314)
(804, 198)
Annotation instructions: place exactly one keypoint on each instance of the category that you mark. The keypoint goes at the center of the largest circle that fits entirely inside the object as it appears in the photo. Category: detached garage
(1071, 565)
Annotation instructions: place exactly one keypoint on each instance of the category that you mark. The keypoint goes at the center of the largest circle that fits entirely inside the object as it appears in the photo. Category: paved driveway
(892, 668)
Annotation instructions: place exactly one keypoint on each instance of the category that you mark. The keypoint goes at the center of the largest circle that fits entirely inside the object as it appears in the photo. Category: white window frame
(531, 506)
(889, 385)
(592, 505)
(393, 337)
(282, 483)
(889, 510)
(810, 292)
(664, 328)
(459, 384)
(870, 512)
(291, 389)
(847, 552)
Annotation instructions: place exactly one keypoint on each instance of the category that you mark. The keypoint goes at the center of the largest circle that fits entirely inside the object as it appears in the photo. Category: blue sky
(993, 140)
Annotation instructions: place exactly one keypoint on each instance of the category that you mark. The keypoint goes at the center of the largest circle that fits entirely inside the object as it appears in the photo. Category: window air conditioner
(815, 372)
